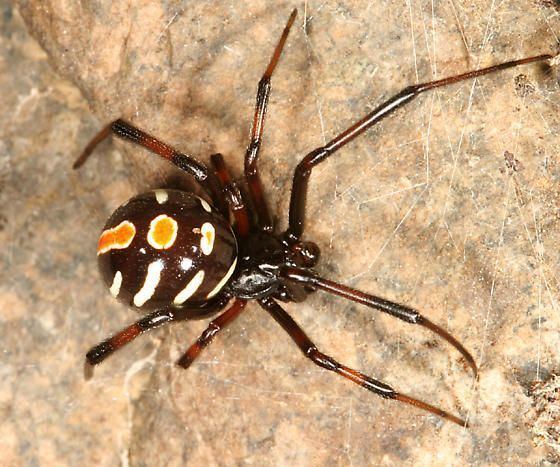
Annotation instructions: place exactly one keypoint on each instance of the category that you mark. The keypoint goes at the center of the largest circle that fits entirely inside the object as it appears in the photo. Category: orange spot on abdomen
(163, 232)
(118, 237)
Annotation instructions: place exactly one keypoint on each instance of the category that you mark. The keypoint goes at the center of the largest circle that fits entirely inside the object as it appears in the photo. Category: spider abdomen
(166, 248)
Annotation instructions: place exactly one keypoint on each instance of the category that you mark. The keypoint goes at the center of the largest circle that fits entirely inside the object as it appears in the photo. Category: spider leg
(98, 138)
(251, 156)
(310, 351)
(402, 312)
(105, 348)
(233, 196)
(215, 326)
(304, 168)
(188, 164)
(154, 320)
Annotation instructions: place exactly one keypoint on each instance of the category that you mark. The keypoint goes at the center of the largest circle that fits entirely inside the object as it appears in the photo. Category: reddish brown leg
(233, 196)
(310, 351)
(252, 154)
(304, 168)
(208, 335)
(154, 320)
(410, 315)
(186, 163)
(102, 350)
(98, 138)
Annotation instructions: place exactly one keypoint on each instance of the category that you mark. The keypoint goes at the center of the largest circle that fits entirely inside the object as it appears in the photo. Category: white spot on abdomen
(116, 285)
(208, 236)
(205, 205)
(150, 283)
(161, 196)
(186, 264)
(189, 289)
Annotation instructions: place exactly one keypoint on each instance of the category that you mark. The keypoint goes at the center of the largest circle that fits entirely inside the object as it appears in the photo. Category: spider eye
(306, 254)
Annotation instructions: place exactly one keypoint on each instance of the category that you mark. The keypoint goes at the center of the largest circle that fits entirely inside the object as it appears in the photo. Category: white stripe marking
(116, 285)
(189, 289)
(150, 283)
(205, 205)
(224, 280)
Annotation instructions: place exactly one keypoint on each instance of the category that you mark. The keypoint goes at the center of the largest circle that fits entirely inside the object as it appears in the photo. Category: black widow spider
(172, 252)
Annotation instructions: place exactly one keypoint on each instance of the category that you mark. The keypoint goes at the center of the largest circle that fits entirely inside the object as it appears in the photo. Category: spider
(179, 256)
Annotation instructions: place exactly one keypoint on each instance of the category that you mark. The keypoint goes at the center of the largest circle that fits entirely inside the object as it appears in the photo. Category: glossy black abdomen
(166, 248)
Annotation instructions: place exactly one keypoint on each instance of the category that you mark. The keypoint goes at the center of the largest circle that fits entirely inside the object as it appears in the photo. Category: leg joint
(321, 359)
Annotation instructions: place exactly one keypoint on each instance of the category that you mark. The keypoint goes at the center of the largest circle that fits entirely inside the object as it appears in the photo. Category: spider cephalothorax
(176, 254)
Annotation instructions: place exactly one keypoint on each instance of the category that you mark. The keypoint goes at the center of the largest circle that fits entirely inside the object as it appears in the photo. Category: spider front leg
(311, 160)
(251, 156)
(404, 313)
(233, 196)
(188, 164)
(310, 351)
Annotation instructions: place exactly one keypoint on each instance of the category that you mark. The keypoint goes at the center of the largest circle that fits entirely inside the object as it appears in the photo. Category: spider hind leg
(324, 361)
